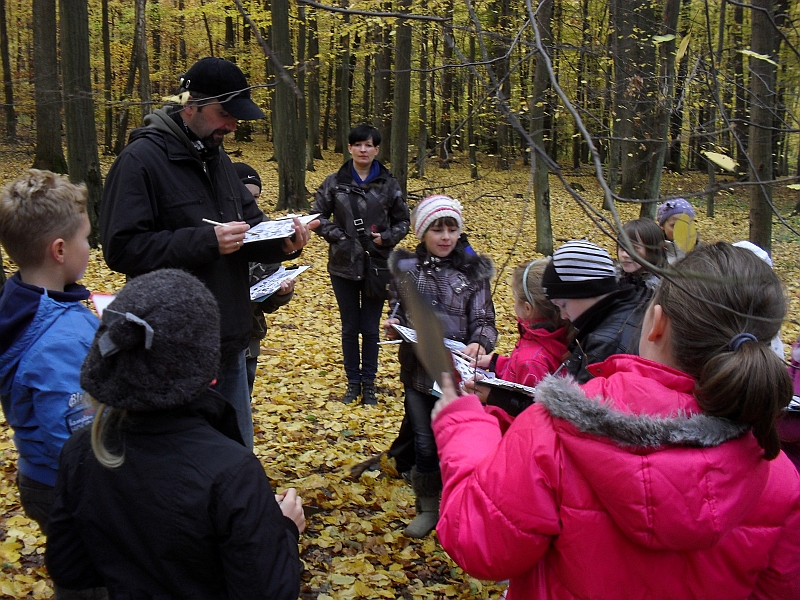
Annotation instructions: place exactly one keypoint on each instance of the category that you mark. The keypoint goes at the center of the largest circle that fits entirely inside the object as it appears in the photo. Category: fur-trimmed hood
(476, 267)
(670, 477)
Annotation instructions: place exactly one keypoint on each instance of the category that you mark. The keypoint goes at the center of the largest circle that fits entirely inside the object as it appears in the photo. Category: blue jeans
(360, 315)
(232, 384)
(418, 410)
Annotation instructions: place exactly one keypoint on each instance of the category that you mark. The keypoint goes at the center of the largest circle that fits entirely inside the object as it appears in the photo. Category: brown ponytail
(747, 382)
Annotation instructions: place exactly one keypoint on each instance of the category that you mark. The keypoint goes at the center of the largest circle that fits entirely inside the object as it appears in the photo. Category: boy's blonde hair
(36, 209)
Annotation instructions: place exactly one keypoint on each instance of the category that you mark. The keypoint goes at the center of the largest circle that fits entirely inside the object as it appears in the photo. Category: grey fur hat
(157, 346)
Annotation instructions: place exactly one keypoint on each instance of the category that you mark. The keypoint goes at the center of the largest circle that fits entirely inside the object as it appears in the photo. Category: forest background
(550, 120)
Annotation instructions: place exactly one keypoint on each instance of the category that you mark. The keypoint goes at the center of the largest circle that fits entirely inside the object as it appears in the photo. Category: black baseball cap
(222, 80)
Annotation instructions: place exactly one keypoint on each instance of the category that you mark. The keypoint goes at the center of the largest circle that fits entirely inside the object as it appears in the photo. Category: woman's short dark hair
(362, 133)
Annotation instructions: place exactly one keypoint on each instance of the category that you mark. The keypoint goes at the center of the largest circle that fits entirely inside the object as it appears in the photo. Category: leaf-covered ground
(305, 438)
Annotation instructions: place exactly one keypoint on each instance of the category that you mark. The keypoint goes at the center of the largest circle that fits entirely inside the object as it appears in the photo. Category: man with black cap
(172, 175)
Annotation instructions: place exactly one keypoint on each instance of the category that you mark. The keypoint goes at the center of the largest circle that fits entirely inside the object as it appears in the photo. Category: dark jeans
(37, 500)
(360, 315)
(232, 384)
(418, 410)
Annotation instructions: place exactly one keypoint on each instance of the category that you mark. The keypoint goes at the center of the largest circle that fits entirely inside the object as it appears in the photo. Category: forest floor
(306, 439)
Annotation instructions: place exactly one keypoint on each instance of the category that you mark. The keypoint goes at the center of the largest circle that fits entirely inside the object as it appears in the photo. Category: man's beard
(211, 143)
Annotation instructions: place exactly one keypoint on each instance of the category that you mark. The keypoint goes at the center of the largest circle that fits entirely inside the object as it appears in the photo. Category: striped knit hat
(579, 269)
(433, 208)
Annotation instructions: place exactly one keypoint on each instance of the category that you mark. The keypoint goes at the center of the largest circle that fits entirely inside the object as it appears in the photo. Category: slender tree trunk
(108, 129)
(312, 135)
(422, 136)
(139, 48)
(402, 99)
(143, 64)
(675, 161)
(383, 86)
(329, 93)
(84, 164)
(286, 124)
(8, 86)
(49, 150)
(208, 30)
(445, 125)
(740, 127)
(473, 151)
(762, 94)
(662, 111)
(541, 185)
(344, 89)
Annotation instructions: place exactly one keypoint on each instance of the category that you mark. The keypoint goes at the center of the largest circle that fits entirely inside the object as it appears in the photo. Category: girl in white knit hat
(457, 284)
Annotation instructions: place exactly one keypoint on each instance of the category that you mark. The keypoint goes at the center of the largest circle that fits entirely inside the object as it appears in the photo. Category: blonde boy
(45, 330)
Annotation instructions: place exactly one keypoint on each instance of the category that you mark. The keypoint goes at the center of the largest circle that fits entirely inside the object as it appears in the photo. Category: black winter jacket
(189, 514)
(459, 288)
(612, 326)
(383, 210)
(155, 197)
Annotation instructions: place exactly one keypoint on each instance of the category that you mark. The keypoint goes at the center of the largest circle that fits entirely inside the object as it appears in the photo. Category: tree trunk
(635, 61)
(762, 89)
(312, 134)
(84, 164)
(422, 135)
(383, 86)
(49, 150)
(445, 125)
(402, 99)
(143, 65)
(740, 127)
(676, 119)
(473, 152)
(541, 185)
(8, 86)
(662, 111)
(286, 124)
(139, 48)
(108, 129)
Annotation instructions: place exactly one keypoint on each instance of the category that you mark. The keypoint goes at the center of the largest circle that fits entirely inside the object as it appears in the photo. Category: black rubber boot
(368, 393)
(352, 393)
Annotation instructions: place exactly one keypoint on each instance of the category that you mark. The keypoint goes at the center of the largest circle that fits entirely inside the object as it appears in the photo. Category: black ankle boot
(352, 393)
(368, 393)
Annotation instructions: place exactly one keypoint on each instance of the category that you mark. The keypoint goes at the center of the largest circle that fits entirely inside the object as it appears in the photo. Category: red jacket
(640, 496)
(538, 353)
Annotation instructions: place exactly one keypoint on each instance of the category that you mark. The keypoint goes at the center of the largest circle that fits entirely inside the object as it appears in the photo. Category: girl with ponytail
(662, 476)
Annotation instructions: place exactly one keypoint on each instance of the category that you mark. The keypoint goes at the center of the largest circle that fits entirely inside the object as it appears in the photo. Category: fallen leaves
(306, 438)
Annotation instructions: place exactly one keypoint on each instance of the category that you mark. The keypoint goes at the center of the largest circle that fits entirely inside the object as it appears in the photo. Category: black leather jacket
(383, 210)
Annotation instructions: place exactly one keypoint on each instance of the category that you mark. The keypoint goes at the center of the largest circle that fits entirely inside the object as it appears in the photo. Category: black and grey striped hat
(579, 269)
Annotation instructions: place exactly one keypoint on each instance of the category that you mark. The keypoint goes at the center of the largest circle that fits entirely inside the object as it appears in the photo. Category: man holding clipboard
(173, 174)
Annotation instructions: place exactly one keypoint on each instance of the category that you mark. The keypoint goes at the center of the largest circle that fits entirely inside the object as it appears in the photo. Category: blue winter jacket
(44, 337)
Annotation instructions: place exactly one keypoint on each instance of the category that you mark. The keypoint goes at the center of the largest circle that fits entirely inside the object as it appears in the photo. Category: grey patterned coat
(459, 288)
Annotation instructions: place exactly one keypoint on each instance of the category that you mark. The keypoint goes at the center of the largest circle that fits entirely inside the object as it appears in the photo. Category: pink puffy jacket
(639, 496)
(538, 352)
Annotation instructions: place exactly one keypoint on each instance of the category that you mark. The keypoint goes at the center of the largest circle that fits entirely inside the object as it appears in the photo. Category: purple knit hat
(677, 206)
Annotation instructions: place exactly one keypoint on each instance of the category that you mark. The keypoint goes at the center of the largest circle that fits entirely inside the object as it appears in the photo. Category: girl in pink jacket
(662, 477)
(542, 345)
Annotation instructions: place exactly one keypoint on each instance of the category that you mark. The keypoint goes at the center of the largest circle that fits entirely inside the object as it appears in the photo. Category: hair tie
(739, 339)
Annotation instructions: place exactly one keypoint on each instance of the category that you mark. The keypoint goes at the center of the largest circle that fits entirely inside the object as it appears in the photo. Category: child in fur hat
(458, 285)
(161, 499)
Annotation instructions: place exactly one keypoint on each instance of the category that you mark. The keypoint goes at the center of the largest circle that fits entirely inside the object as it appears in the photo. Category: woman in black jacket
(161, 499)
(362, 214)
